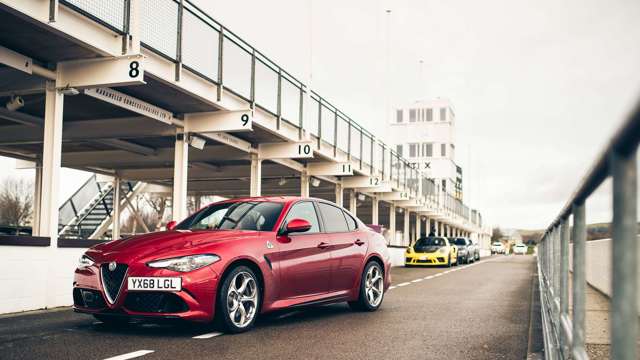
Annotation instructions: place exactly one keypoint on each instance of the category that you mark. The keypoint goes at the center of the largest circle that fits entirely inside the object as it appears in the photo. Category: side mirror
(297, 226)
(171, 225)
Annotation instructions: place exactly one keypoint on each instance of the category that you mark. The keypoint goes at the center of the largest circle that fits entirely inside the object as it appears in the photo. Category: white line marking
(208, 336)
(416, 280)
(391, 288)
(130, 355)
(428, 277)
(402, 284)
(438, 274)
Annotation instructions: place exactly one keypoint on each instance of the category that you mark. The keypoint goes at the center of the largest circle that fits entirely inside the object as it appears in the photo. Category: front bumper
(426, 259)
(195, 302)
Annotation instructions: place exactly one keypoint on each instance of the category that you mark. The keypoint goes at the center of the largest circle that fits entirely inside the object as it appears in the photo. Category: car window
(431, 241)
(334, 220)
(305, 210)
(249, 215)
(460, 241)
(352, 224)
(261, 217)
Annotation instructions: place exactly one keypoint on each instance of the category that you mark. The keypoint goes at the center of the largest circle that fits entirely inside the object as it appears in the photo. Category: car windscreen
(430, 241)
(241, 215)
(460, 242)
(497, 244)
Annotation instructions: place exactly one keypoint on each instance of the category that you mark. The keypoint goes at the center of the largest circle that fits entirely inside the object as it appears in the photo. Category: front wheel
(238, 300)
(371, 288)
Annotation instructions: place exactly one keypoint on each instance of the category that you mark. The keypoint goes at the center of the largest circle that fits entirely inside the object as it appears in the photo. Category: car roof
(278, 199)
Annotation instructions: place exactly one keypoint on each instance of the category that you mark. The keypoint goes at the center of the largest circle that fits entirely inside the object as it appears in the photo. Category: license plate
(423, 258)
(154, 283)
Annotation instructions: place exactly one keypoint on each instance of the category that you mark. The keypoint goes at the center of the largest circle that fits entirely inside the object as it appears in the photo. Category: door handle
(323, 245)
(359, 242)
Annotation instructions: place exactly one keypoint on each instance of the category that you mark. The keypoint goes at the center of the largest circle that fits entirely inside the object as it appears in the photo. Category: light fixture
(197, 142)
(69, 91)
(400, 210)
(315, 182)
(361, 197)
(282, 181)
(15, 103)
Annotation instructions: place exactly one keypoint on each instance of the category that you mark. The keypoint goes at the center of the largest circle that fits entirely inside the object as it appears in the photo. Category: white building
(424, 133)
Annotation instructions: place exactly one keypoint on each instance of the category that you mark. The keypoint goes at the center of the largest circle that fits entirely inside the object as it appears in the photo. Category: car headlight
(185, 263)
(84, 262)
(409, 250)
(442, 250)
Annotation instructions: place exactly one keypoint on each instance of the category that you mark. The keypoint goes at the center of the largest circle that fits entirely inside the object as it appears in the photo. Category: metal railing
(564, 333)
(76, 204)
(182, 33)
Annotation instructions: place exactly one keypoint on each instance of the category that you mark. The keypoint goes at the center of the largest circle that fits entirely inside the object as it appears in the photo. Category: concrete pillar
(405, 231)
(197, 202)
(304, 184)
(36, 199)
(375, 211)
(392, 224)
(418, 225)
(50, 184)
(256, 176)
(51, 163)
(180, 170)
(353, 202)
(339, 194)
(115, 213)
(427, 226)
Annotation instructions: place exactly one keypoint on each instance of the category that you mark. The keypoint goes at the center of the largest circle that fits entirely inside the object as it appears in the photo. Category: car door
(348, 246)
(303, 258)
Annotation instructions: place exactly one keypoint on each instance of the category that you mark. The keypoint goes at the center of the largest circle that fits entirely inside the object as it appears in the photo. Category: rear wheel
(238, 300)
(371, 288)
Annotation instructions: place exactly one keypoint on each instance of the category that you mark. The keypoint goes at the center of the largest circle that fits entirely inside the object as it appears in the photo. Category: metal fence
(184, 34)
(564, 332)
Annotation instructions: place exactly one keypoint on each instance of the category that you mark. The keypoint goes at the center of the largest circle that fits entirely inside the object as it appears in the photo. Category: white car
(520, 249)
(497, 248)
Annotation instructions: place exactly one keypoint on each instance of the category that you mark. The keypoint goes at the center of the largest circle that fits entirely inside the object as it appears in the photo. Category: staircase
(89, 208)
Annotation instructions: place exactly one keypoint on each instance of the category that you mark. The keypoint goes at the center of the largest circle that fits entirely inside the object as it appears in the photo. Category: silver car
(468, 251)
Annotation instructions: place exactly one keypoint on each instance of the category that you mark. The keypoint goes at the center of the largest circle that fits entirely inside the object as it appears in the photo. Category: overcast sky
(537, 85)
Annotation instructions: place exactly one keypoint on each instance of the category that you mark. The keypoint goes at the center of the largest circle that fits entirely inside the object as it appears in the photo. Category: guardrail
(564, 333)
(182, 33)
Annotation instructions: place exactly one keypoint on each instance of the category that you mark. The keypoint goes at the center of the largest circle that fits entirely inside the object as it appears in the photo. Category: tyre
(371, 290)
(112, 320)
(238, 302)
(449, 261)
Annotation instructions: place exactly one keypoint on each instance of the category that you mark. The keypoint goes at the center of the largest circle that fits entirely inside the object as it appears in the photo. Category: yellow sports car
(432, 250)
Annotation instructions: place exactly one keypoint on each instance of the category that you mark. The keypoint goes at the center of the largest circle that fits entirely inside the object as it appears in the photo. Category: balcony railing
(184, 34)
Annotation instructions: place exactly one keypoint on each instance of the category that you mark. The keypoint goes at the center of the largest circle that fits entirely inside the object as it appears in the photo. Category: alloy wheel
(374, 286)
(242, 299)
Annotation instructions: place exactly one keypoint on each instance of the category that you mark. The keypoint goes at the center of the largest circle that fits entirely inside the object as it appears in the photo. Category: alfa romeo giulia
(236, 259)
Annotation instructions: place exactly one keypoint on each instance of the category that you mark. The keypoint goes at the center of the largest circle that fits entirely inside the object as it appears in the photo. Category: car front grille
(155, 302)
(112, 280)
(86, 298)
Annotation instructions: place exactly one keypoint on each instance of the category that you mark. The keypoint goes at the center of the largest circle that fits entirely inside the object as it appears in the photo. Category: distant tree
(159, 206)
(496, 235)
(16, 202)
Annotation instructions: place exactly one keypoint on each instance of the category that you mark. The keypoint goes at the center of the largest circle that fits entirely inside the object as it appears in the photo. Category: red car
(233, 260)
